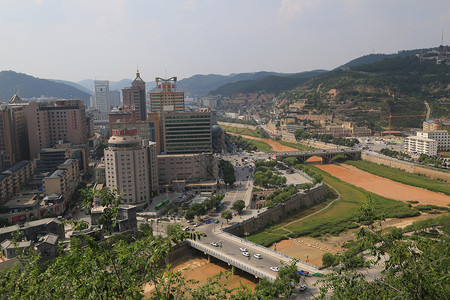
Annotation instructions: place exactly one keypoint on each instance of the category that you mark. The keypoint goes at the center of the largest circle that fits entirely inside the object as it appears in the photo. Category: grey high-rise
(135, 96)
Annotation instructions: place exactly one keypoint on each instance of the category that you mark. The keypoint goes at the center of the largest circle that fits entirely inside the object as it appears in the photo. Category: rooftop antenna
(442, 38)
(165, 73)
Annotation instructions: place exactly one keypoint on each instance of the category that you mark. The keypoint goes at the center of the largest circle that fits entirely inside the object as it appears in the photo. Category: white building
(419, 145)
(101, 96)
(131, 168)
(441, 136)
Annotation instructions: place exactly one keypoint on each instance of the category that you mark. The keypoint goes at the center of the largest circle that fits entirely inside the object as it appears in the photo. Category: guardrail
(268, 249)
(230, 261)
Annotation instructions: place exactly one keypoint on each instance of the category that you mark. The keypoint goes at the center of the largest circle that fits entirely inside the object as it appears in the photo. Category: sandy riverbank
(385, 187)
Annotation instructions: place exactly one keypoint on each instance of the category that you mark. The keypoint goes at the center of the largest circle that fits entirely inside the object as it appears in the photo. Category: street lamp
(246, 236)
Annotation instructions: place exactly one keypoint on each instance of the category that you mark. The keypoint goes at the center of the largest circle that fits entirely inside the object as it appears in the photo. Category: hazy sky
(79, 39)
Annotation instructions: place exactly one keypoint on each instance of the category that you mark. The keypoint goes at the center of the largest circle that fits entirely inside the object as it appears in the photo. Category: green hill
(270, 84)
(28, 86)
(365, 93)
(201, 85)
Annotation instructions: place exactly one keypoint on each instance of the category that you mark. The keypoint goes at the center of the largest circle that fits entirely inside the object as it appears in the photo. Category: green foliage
(238, 206)
(280, 195)
(329, 259)
(393, 153)
(271, 84)
(326, 138)
(264, 176)
(228, 215)
(416, 266)
(228, 172)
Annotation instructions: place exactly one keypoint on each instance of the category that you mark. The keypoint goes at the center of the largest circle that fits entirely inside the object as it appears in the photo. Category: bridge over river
(326, 155)
(228, 251)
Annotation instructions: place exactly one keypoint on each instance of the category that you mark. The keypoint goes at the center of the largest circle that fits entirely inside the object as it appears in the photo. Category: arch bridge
(327, 155)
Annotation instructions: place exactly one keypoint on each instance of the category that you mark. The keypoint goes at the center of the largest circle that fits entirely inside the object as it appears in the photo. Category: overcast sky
(106, 39)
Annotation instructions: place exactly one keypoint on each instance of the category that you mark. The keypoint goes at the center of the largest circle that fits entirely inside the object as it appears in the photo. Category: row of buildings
(434, 138)
(165, 98)
(45, 149)
(168, 149)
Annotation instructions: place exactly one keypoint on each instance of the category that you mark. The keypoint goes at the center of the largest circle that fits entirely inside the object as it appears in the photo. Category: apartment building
(13, 133)
(14, 178)
(419, 145)
(50, 123)
(441, 136)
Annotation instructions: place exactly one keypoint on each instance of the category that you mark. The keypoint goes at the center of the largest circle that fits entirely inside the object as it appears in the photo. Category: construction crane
(404, 116)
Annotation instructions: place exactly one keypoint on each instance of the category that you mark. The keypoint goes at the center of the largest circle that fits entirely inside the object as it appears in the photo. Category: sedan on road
(258, 256)
(243, 249)
(275, 269)
(215, 244)
(246, 254)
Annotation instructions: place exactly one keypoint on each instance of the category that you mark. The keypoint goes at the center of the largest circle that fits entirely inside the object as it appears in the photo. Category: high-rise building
(114, 98)
(129, 167)
(13, 133)
(101, 94)
(186, 132)
(134, 96)
(166, 98)
(50, 123)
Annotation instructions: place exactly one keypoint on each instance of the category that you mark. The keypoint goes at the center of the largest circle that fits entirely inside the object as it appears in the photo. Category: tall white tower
(127, 167)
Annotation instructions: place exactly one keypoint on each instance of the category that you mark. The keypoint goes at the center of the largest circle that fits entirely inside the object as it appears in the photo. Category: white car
(258, 256)
(215, 244)
(185, 228)
(245, 254)
(196, 225)
(303, 288)
(275, 269)
(243, 249)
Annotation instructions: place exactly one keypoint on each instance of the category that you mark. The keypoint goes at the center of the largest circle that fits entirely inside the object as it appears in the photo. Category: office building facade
(186, 132)
(127, 168)
(101, 98)
(167, 98)
(134, 96)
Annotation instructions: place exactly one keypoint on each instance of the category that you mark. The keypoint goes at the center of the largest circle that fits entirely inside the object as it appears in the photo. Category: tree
(329, 259)
(238, 206)
(227, 215)
(416, 266)
(228, 172)
(189, 214)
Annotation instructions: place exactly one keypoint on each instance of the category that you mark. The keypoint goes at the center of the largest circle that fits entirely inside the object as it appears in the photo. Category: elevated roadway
(228, 251)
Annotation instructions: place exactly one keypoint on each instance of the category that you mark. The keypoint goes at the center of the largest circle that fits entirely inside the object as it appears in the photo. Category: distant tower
(102, 96)
(135, 96)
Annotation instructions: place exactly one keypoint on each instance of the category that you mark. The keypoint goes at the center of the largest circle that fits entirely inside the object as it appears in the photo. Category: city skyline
(77, 40)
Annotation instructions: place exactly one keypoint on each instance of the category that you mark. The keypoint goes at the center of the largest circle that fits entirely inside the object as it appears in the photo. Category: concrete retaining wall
(405, 166)
(281, 211)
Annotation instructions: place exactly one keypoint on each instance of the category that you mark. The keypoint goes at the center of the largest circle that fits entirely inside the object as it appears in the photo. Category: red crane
(404, 116)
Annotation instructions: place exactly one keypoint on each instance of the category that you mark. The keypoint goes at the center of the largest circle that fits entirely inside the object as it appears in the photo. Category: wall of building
(274, 215)
(405, 166)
